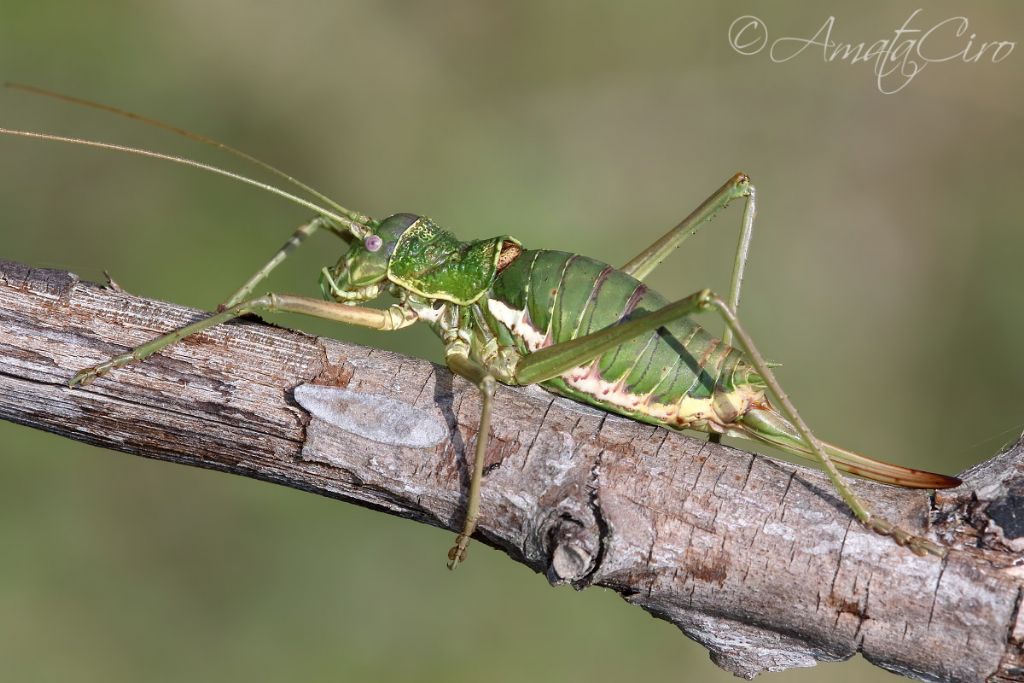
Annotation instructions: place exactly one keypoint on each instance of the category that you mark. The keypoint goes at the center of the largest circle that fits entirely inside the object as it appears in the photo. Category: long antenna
(359, 229)
(36, 90)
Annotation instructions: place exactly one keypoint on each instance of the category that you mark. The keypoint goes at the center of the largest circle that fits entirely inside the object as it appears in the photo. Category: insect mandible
(575, 326)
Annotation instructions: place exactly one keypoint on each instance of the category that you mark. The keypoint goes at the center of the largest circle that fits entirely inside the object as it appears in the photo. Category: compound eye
(373, 243)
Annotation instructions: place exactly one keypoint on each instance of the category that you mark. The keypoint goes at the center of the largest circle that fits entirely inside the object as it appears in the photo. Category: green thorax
(431, 262)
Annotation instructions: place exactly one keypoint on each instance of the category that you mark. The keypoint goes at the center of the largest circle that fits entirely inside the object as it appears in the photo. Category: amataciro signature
(896, 60)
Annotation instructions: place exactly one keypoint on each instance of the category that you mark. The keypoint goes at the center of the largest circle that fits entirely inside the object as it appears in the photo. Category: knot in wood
(567, 542)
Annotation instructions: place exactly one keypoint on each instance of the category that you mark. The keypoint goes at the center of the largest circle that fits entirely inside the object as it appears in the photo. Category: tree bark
(755, 558)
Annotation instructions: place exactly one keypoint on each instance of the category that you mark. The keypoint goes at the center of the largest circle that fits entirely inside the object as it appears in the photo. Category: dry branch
(756, 559)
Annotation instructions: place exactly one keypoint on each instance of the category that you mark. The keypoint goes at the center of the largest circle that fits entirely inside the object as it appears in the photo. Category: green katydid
(575, 326)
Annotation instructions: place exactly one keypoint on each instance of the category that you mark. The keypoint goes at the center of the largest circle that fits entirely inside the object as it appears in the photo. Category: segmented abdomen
(679, 375)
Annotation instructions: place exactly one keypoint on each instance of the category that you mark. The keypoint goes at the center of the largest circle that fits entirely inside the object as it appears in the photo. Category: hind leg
(554, 360)
(739, 186)
(736, 187)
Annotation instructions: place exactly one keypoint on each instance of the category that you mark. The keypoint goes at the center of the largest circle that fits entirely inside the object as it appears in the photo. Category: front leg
(393, 318)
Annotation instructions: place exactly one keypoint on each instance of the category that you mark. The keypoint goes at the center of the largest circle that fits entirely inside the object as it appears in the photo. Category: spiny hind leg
(297, 238)
(554, 360)
(921, 546)
(387, 319)
(557, 359)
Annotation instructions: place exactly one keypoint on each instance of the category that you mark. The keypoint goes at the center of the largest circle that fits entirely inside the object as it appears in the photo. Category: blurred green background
(885, 275)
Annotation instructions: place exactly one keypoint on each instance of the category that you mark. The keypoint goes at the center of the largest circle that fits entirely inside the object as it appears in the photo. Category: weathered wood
(756, 559)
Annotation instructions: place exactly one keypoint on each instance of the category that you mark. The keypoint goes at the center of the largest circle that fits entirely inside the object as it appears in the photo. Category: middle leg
(458, 360)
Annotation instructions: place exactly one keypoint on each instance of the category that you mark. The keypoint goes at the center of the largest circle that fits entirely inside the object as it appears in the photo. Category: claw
(917, 544)
(83, 377)
(111, 283)
(458, 552)
(922, 546)
(86, 376)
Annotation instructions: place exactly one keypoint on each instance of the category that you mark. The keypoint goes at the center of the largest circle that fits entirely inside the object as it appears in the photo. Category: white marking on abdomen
(586, 379)
(519, 324)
